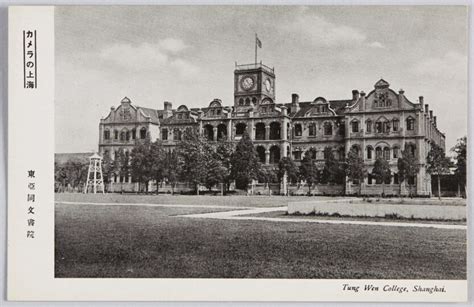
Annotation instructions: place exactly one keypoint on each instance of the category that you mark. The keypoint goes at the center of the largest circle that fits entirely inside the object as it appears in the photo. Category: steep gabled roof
(152, 113)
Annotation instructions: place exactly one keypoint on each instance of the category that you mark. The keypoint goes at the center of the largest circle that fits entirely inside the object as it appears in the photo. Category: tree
(244, 163)
(355, 167)
(194, 152)
(381, 172)
(460, 149)
(141, 164)
(333, 171)
(224, 152)
(172, 168)
(122, 165)
(287, 166)
(267, 175)
(438, 164)
(157, 163)
(107, 168)
(408, 167)
(308, 170)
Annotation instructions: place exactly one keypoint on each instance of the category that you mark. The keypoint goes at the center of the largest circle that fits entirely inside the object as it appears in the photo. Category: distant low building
(379, 124)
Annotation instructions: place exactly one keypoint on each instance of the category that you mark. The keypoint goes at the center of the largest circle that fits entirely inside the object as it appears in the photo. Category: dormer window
(180, 116)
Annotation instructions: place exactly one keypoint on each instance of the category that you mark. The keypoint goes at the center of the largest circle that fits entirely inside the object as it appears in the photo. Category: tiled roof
(152, 113)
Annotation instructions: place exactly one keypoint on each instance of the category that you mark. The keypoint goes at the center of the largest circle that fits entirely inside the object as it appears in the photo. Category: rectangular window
(312, 129)
(297, 155)
(355, 127)
(395, 125)
(378, 127)
(164, 134)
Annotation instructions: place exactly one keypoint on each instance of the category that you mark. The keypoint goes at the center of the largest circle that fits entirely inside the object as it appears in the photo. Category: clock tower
(253, 83)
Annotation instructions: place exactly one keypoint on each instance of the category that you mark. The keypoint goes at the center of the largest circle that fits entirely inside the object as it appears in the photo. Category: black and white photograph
(260, 142)
(250, 143)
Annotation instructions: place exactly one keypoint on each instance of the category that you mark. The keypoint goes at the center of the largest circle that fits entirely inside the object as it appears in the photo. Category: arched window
(274, 154)
(209, 132)
(143, 133)
(396, 152)
(378, 152)
(355, 148)
(355, 126)
(254, 100)
(241, 102)
(378, 127)
(261, 154)
(134, 133)
(386, 153)
(312, 129)
(177, 134)
(411, 149)
(368, 126)
(342, 129)
(298, 130)
(107, 134)
(370, 153)
(275, 131)
(240, 128)
(221, 132)
(410, 123)
(396, 124)
(260, 131)
(327, 128)
(247, 101)
(122, 136)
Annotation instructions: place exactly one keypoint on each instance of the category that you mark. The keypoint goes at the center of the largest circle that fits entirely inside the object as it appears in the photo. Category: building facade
(380, 123)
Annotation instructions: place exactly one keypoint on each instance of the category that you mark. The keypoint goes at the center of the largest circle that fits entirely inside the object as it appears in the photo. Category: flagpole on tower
(256, 49)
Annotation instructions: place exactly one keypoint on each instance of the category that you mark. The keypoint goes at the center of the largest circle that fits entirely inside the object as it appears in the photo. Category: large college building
(380, 123)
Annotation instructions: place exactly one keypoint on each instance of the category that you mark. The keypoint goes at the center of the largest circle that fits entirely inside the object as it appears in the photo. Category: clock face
(247, 83)
(268, 85)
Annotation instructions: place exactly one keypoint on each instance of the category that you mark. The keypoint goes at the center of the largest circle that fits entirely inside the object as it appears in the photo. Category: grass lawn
(233, 201)
(137, 241)
(284, 214)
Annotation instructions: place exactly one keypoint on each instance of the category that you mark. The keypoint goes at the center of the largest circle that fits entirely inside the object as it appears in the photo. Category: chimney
(420, 99)
(431, 114)
(362, 101)
(112, 108)
(355, 95)
(295, 98)
(168, 112)
(434, 120)
(400, 97)
(426, 108)
(295, 106)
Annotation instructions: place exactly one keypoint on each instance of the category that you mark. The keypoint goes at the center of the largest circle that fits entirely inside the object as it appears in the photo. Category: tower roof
(381, 84)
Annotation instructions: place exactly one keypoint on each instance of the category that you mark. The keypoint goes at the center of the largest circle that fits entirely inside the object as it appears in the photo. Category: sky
(187, 55)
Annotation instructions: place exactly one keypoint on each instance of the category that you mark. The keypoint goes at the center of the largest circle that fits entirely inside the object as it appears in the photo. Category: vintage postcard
(238, 153)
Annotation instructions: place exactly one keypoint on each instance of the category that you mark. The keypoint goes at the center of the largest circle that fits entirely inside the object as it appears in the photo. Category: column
(214, 134)
(267, 156)
(229, 130)
(284, 130)
(267, 132)
(251, 130)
